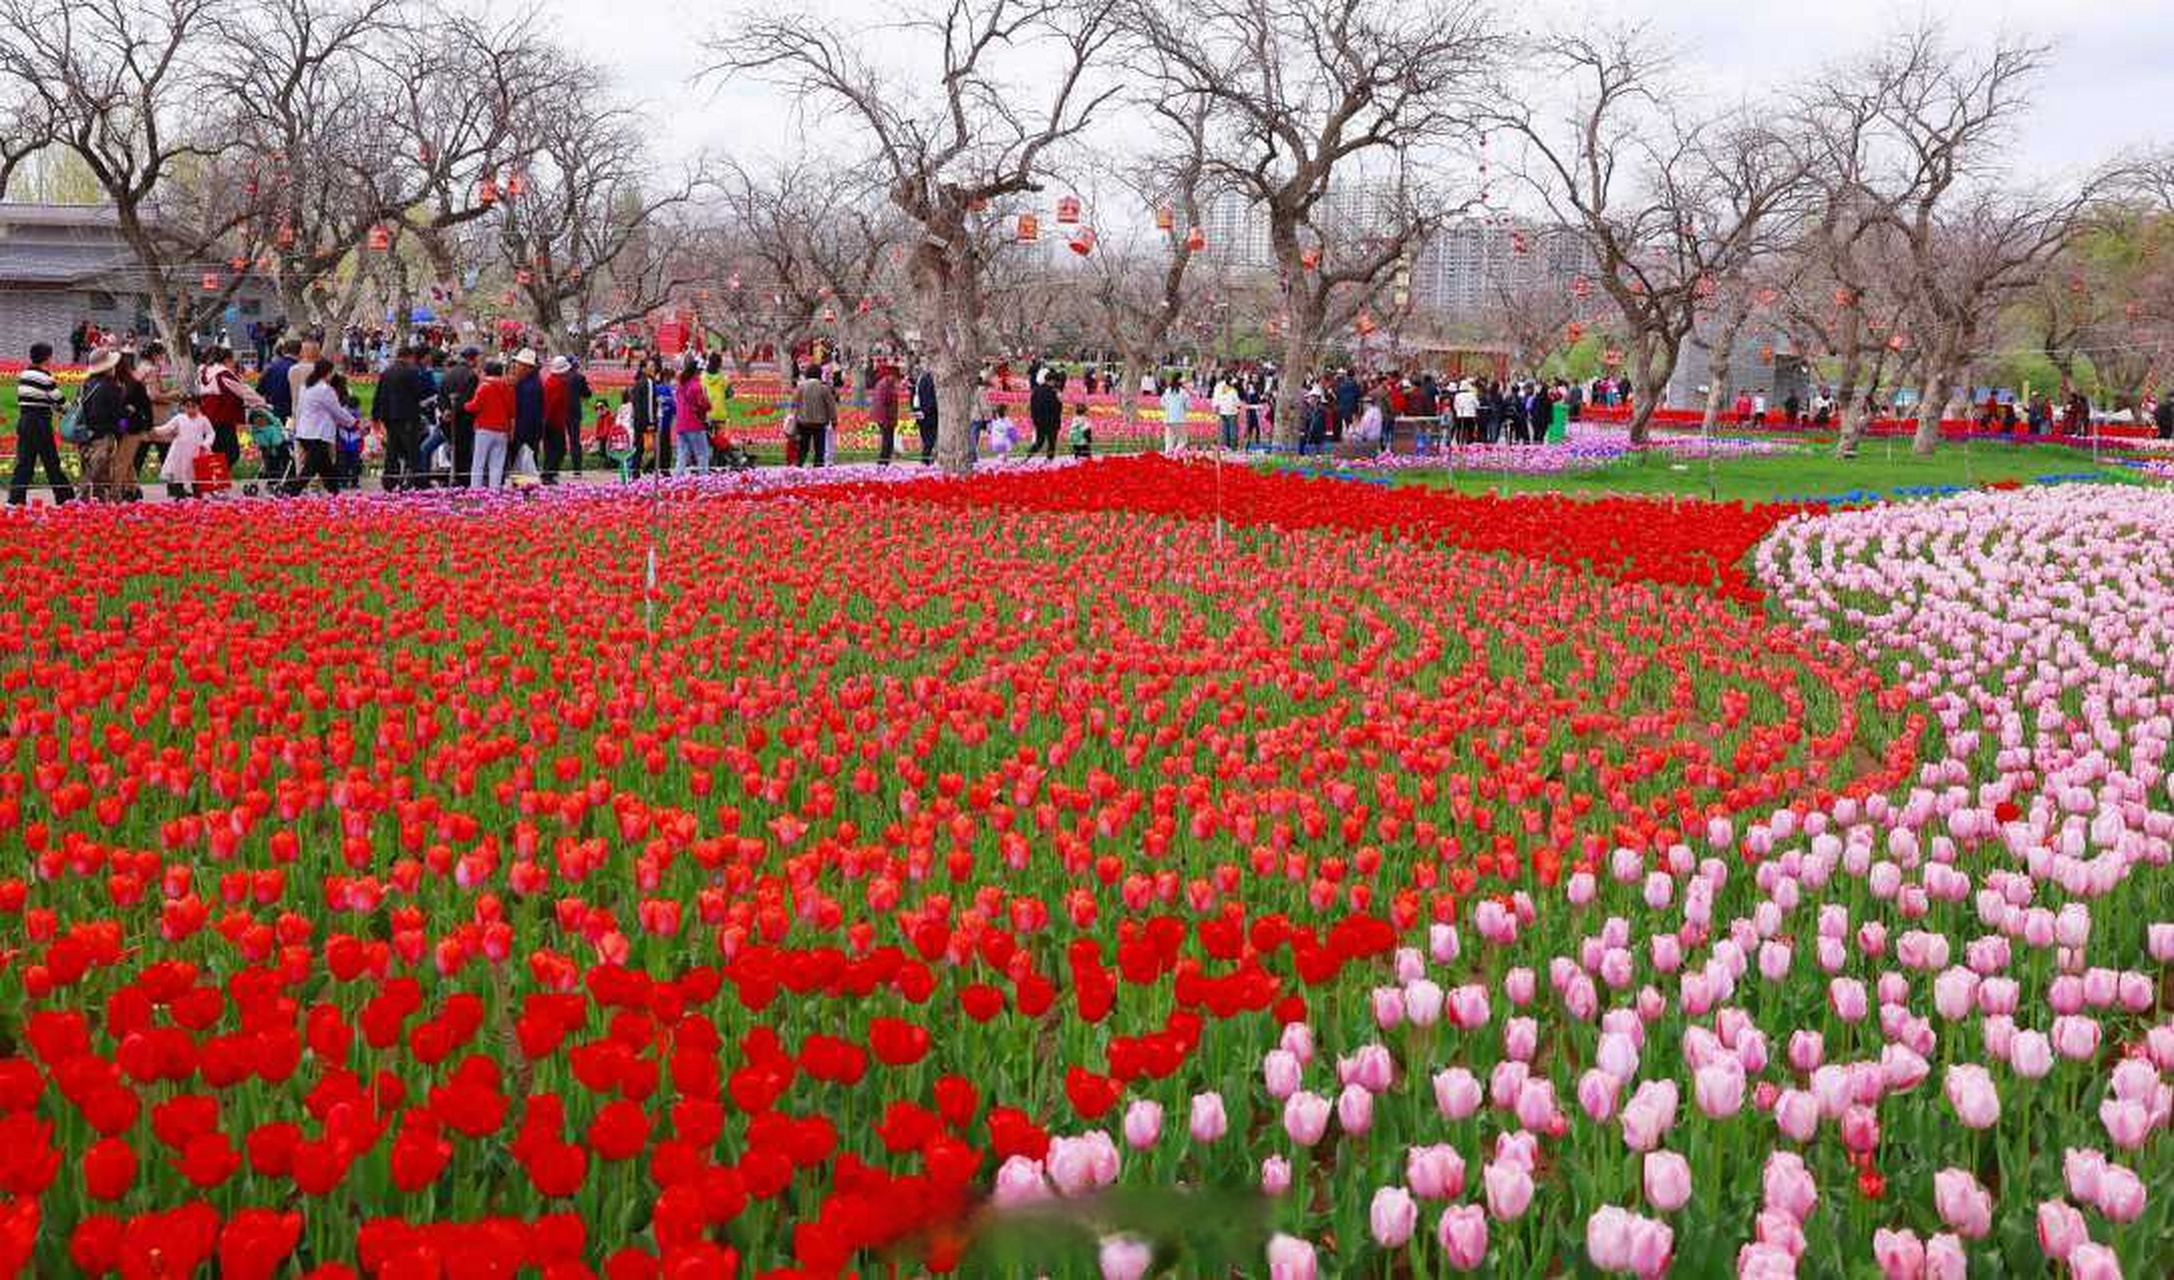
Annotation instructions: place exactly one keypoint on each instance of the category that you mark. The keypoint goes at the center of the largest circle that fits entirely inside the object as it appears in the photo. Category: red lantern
(517, 183)
(1844, 297)
(1083, 241)
(1310, 260)
(380, 238)
(286, 237)
(1897, 342)
(1611, 357)
(1767, 297)
(1165, 218)
(1068, 209)
(1195, 240)
(863, 308)
(1766, 355)
(487, 190)
(211, 282)
(1520, 244)
(524, 277)
(1364, 324)
(1705, 287)
(1030, 228)
(238, 263)
(1575, 331)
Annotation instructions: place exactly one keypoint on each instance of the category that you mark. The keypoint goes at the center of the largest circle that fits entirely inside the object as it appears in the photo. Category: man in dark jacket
(398, 409)
(103, 413)
(38, 404)
(642, 410)
(2163, 419)
(1045, 408)
(528, 404)
(1349, 396)
(815, 408)
(925, 414)
(456, 387)
(276, 383)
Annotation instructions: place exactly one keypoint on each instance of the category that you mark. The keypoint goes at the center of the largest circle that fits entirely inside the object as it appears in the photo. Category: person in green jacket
(1558, 423)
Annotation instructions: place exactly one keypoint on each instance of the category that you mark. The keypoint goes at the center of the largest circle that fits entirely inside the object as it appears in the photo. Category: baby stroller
(274, 450)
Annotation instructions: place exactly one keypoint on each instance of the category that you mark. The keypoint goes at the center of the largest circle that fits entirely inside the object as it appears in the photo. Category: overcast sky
(2111, 85)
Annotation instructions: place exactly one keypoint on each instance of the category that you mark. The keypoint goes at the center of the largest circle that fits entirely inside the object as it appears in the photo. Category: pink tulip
(1392, 1217)
(1788, 1186)
(2030, 1054)
(1208, 1121)
(1520, 1038)
(1518, 1148)
(1608, 1238)
(1847, 996)
(1963, 1204)
(1807, 1049)
(1306, 1117)
(1468, 1007)
(1456, 1093)
(1618, 1055)
(1423, 1000)
(1760, 1261)
(1899, 1253)
(1780, 1231)
(1509, 1190)
(1020, 1180)
(1945, 1258)
(1297, 1040)
(1860, 1130)
(1970, 1091)
(2090, 1261)
(1505, 1082)
(2060, 1229)
(1371, 1068)
(1435, 1172)
(1649, 1115)
(2127, 1123)
(1354, 1110)
(1796, 1114)
(1143, 1124)
(1667, 1180)
(1388, 1006)
(2121, 1195)
(1275, 1176)
(2076, 1038)
(1463, 1237)
(1597, 1091)
(1719, 1089)
(1442, 942)
(1519, 986)
(2159, 941)
(1281, 1073)
(1290, 1258)
(1125, 1258)
(2084, 1170)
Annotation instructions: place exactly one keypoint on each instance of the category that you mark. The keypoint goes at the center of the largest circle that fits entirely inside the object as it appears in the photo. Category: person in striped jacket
(38, 404)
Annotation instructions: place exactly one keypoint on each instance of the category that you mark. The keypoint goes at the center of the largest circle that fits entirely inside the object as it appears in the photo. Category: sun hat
(561, 364)
(526, 355)
(103, 362)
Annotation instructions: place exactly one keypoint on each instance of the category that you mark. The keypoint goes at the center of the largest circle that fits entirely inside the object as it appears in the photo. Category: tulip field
(1117, 869)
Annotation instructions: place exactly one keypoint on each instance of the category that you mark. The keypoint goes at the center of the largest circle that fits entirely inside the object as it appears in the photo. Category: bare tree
(1302, 94)
(122, 85)
(1671, 205)
(947, 155)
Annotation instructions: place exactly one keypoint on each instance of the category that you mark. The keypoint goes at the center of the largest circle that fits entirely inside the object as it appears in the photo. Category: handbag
(72, 429)
(213, 474)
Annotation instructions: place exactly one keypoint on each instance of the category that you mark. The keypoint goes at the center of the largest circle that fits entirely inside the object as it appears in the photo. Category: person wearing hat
(883, 400)
(529, 418)
(1045, 408)
(559, 404)
(102, 416)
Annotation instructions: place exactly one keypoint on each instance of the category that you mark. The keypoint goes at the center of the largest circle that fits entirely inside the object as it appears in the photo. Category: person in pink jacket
(690, 422)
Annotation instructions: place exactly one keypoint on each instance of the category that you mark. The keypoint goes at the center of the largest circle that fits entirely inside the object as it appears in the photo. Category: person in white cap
(560, 409)
(528, 409)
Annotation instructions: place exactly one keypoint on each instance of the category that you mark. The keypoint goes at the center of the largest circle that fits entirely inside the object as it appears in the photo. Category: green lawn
(1811, 472)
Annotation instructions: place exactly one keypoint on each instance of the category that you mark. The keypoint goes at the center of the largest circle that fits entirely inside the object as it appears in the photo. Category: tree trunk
(1298, 354)
(1128, 391)
(1719, 372)
(1653, 363)
(1939, 375)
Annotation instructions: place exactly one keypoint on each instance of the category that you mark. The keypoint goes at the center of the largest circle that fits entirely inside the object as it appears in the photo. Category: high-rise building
(1468, 263)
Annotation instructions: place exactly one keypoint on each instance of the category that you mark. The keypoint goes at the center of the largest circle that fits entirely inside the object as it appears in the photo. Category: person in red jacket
(559, 408)
(492, 409)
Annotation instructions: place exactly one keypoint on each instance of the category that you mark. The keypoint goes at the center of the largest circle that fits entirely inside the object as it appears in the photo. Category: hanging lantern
(1030, 228)
(1520, 243)
(1364, 324)
(1068, 209)
(863, 308)
(487, 190)
(1636, 286)
(286, 236)
(1896, 342)
(1581, 287)
(1705, 287)
(238, 263)
(1611, 357)
(211, 282)
(517, 183)
(1196, 240)
(1310, 260)
(1575, 331)
(524, 277)
(1166, 218)
(1083, 241)
(1767, 297)
(1766, 355)
(427, 154)
(1844, 297)
(381, 239)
